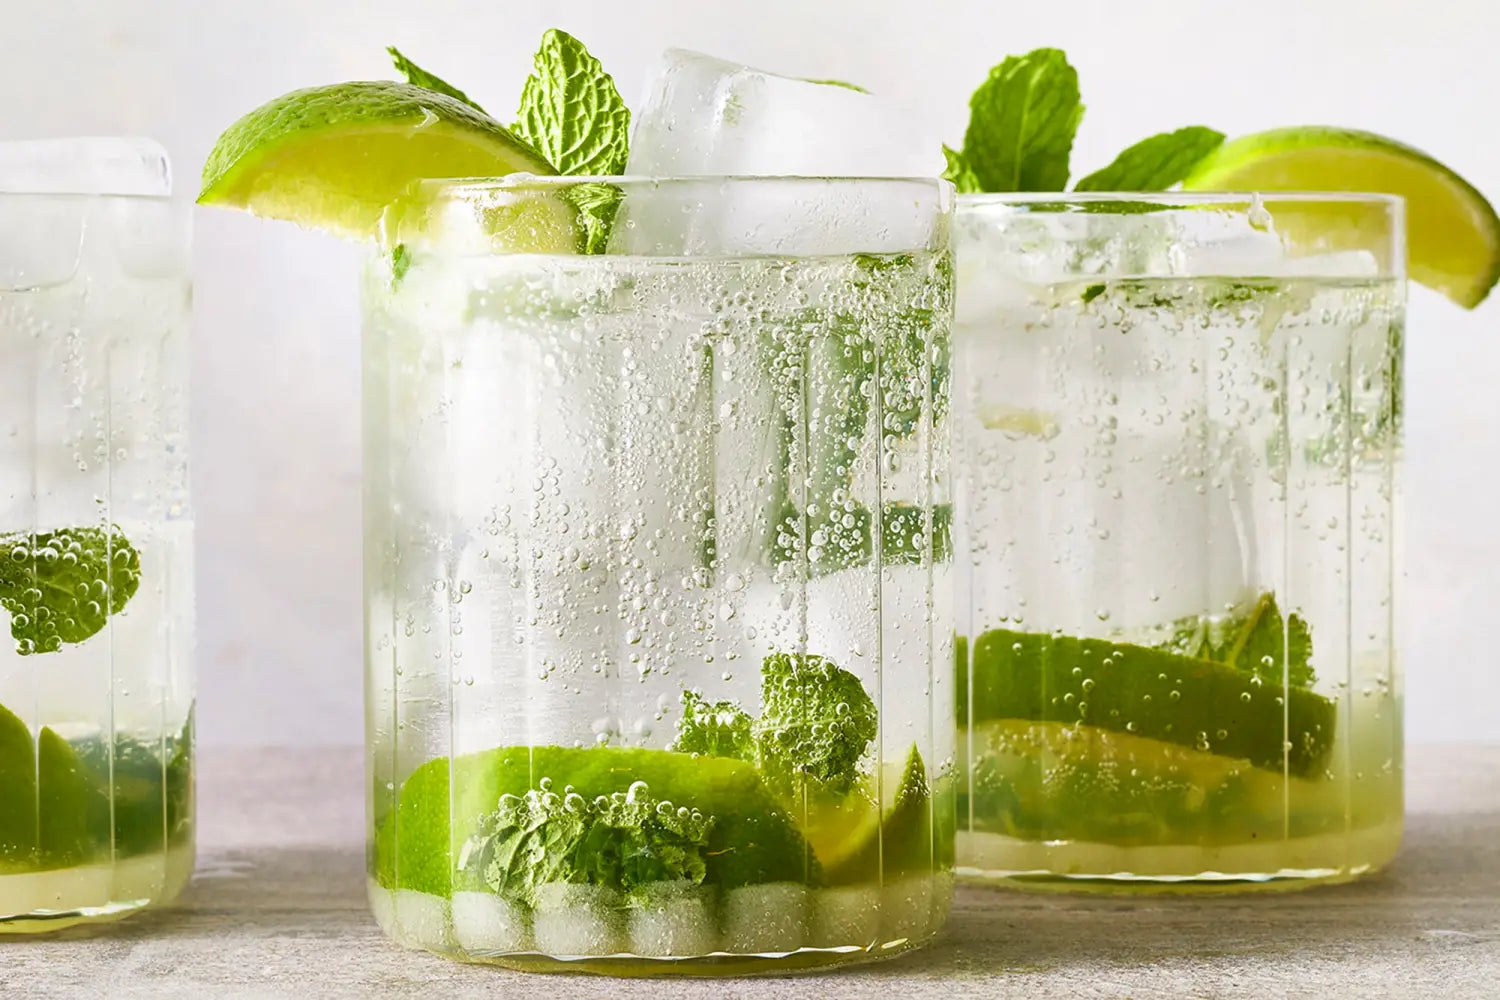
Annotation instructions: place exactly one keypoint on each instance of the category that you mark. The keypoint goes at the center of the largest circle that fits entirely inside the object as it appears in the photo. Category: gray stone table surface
(277, 909)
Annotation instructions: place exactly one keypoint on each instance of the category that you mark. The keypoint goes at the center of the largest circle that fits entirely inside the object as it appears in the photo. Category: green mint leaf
(400, 263)
(1155, 164)
(597, 205)
(1022, 122)
(717, 729)
(571, 112)
(959, 173)
(62, 586)
(1267, 644)
(624, 841)
(419, 77)
(816, 721)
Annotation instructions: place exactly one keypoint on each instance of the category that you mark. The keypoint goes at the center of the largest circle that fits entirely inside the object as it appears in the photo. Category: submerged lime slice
(1453, 233)
(893, 839)
(48, 802)
(752, 839)
(334, 157)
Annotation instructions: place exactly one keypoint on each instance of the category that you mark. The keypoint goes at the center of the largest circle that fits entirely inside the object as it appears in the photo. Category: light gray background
(276, 434)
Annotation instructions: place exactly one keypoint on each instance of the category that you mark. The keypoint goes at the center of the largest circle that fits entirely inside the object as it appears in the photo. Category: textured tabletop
(277, 909)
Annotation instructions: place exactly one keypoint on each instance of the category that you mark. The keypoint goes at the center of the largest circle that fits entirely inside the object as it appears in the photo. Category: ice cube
(765, 919)
(421, 920)
(578, 920)
(845, 916)
(485, 923)
(675, 919)
(117, 166)
(382, 907)
(706, 117)
(1335, 264)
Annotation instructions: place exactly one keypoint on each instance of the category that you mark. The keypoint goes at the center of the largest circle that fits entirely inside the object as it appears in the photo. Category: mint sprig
(1155, 164)
(62, 586)
(571, 111)
(1022, 122)
(419, 77)
(573, 116)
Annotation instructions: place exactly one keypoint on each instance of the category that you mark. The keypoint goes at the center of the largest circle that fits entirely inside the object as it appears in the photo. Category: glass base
(426, 922)
(1072, 866)
(40, 902)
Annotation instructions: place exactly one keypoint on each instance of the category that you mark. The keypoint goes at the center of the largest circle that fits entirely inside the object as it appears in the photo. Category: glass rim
(1170, 199)
(450, 186)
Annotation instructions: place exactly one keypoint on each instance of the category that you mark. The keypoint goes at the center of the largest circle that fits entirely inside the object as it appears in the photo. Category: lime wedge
(334, 157)
(896, 839)
(48, 802)
(1453, 233)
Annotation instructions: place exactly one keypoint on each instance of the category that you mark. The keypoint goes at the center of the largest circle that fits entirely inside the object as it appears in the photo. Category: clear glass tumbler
(657, 570)
(96, 689)
(1179, 445)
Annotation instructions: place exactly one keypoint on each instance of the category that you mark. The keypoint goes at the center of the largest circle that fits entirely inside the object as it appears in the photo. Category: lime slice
(752, 840)
(1453, 233)
(48, 802)
(893, 840)
(1050, 780)
(334, 157)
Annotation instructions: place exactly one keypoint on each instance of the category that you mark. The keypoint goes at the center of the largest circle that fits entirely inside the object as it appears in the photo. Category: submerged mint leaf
(1155, 164)
(571, 112)
(419, 77)
(597, 205)
(717, 728)
(816, 721)
(62, 586)
(1022, 122)
(400, 263)
(958, 172)
(1267, 644)
(625, 841)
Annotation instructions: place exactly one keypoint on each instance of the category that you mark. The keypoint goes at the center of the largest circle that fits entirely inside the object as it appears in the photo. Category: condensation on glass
(1179, 444)
(96, 690)
(658, 573)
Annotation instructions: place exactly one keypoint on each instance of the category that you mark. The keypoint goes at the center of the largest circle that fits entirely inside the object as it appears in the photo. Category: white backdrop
(276, 436)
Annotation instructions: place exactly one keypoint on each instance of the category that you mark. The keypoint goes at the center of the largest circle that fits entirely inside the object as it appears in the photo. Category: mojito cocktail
(96, 736)
(1179, 423)
(656, 544)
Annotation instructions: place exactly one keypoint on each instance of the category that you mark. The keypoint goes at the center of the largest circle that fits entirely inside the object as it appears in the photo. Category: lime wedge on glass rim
(335, 157)
(1453, 233)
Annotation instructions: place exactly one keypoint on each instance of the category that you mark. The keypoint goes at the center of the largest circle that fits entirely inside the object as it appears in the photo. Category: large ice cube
(705, 117)
(119, 166)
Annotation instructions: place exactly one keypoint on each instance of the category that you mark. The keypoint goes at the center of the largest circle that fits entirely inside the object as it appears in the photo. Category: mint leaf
(570, 110)
(1267, 644)
(1022, 122)
(959, 173)
(1155, 164)
(717, 729)
(419, 77)
(400, 263)
(62, 586)
(624, 841)
(597, 205)
(816, 721)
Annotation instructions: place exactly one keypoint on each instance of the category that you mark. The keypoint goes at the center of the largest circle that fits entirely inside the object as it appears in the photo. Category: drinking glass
(1178, 450)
